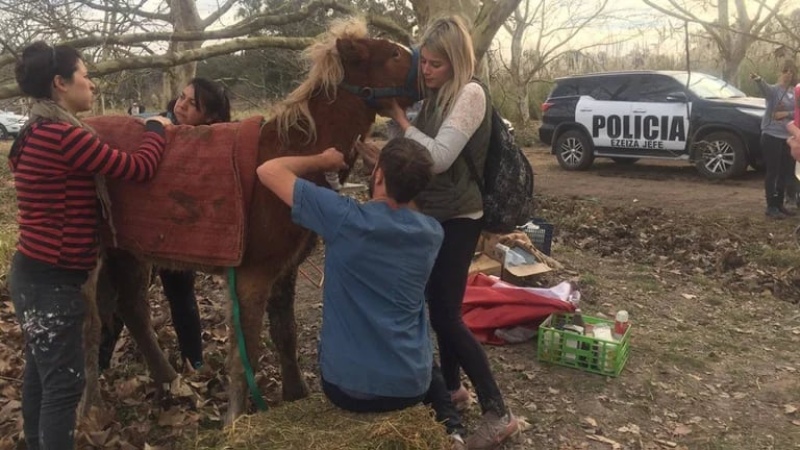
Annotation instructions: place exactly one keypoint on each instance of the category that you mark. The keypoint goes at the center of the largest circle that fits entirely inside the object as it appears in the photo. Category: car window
(655, 88)
(565, 88)
(613, 88)
(706, 86)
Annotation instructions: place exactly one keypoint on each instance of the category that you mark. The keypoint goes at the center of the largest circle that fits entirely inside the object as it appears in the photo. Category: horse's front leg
(97, 289)
(131, 277)
(253, 284)
(283, 332)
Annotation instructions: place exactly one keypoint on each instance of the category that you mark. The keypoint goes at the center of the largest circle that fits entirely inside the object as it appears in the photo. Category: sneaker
(457, 442)
(492, 431)
(774, 213)
(461, 399)
(786, 212)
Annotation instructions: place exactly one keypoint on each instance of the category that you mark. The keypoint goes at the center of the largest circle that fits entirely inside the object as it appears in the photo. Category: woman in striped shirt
(58, 164)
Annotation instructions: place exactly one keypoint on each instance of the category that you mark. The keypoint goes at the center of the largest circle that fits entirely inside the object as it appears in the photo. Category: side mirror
(677, 97)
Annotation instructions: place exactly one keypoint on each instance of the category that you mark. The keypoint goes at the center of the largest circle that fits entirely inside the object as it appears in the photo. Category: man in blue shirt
(375, 350)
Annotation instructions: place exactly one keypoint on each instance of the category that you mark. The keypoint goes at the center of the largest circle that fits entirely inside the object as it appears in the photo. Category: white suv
(10, 124)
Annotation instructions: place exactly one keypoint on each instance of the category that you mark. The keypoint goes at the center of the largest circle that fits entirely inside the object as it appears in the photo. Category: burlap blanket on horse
(195, 210)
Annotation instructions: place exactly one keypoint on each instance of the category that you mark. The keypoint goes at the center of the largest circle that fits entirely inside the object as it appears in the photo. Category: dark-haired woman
(55, 161)
(780, 167)
(202, 102)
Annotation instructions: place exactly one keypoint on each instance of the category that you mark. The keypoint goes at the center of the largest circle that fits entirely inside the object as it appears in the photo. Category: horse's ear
(351, 50)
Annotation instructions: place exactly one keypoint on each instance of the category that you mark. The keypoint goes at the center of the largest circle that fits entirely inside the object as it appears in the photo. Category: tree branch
(187, 56)
(213, 17)
(136, 11)
(242, 28)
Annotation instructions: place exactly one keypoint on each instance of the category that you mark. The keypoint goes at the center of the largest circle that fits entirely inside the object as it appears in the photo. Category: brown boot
(492, 431)
(461, 399)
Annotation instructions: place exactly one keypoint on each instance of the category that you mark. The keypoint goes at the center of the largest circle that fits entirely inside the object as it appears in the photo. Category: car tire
(625, 161)
(574, 150)
(720, 155)
(4, 133)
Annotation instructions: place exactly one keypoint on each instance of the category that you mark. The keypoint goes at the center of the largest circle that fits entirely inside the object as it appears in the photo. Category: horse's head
(377, 70)
(344, 66)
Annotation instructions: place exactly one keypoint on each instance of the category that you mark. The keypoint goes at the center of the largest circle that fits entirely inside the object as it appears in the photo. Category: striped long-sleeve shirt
(54, 177)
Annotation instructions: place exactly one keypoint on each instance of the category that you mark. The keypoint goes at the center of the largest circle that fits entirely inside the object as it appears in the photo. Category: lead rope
(255, 394)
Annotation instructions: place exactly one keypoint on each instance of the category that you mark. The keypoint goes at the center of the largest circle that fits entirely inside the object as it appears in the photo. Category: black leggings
(445, 292)
(780, 169)
(179, 290)
(437, 397)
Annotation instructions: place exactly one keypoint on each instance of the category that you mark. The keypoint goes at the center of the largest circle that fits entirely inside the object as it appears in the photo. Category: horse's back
(195, 208)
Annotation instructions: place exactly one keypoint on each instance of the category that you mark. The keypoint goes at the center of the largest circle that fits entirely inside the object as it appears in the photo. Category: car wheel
(4, 133)
(720, 156)
(625, 161)
(574, 150)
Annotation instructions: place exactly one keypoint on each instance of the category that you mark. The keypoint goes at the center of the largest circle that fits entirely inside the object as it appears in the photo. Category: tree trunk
(523, 104)
(517, 77)
(427, 10)
(184, 18)
(486, 18)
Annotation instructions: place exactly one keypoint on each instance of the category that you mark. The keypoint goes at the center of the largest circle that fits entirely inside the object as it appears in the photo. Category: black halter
(370, 94)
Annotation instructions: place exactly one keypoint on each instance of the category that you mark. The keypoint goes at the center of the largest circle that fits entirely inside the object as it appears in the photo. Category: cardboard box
(518, 241)
(486, 265)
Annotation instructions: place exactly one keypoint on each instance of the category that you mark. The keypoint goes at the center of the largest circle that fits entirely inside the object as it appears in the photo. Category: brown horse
(349, 75)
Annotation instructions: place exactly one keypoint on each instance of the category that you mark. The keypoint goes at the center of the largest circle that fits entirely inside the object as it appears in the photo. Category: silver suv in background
(11, 124)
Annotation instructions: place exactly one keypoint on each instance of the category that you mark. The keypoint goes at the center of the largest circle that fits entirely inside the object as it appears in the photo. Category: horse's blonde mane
(325, 73)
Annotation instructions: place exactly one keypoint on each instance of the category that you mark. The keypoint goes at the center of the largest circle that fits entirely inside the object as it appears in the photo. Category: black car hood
(747, 102)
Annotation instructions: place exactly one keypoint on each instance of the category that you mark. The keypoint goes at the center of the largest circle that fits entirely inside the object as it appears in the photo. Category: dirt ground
(711, 287)
(673, 185)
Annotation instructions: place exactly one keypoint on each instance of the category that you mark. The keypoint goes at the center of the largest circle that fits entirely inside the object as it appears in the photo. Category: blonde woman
(454, 125)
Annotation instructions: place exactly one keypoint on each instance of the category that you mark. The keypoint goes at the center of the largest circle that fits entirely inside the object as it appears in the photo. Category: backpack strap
(473, 171)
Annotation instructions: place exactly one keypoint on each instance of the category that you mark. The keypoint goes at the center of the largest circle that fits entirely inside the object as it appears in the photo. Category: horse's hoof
(230, 417)
(295, 391)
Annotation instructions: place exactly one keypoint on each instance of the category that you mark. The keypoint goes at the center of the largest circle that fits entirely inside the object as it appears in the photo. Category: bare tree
(554, 24)
(172, 33)
(487, 16)
(733, 32)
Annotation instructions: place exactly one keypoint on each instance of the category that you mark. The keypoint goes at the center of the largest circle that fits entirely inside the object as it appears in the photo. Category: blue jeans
(437, 396)
(50, 309)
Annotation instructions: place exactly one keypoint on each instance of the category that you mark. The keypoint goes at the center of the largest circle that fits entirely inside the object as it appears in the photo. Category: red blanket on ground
(195, 209)
(488, 306)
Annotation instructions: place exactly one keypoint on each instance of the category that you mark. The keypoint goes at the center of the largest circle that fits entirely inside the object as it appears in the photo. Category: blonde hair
(325, 73)
(449, 37)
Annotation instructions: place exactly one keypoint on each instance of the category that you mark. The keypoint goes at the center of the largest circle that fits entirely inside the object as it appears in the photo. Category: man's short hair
(407, 168)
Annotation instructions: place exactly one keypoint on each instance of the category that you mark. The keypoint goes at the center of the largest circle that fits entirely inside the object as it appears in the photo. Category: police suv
(673, 115)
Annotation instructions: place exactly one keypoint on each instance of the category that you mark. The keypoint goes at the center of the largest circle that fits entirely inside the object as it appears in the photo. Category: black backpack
(507, 181)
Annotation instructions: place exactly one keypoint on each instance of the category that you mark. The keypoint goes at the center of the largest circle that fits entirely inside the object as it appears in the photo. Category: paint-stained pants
(50, 309)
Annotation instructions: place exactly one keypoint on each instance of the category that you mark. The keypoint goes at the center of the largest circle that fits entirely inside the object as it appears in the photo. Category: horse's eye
(396, 53)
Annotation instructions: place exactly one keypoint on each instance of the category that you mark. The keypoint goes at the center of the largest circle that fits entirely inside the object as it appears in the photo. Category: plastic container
(621, 324)
(540, 232)
(514, 256)
(585, 353)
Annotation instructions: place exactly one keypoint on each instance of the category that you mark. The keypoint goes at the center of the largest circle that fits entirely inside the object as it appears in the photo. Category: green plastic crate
(584, 353)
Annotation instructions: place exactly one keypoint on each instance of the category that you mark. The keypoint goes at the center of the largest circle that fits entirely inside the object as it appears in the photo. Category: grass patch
(645, 282)
(588, 279)
(777, 257)
(315, 424)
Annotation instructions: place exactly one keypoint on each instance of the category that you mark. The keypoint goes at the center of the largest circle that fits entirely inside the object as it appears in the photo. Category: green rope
(237, 325)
